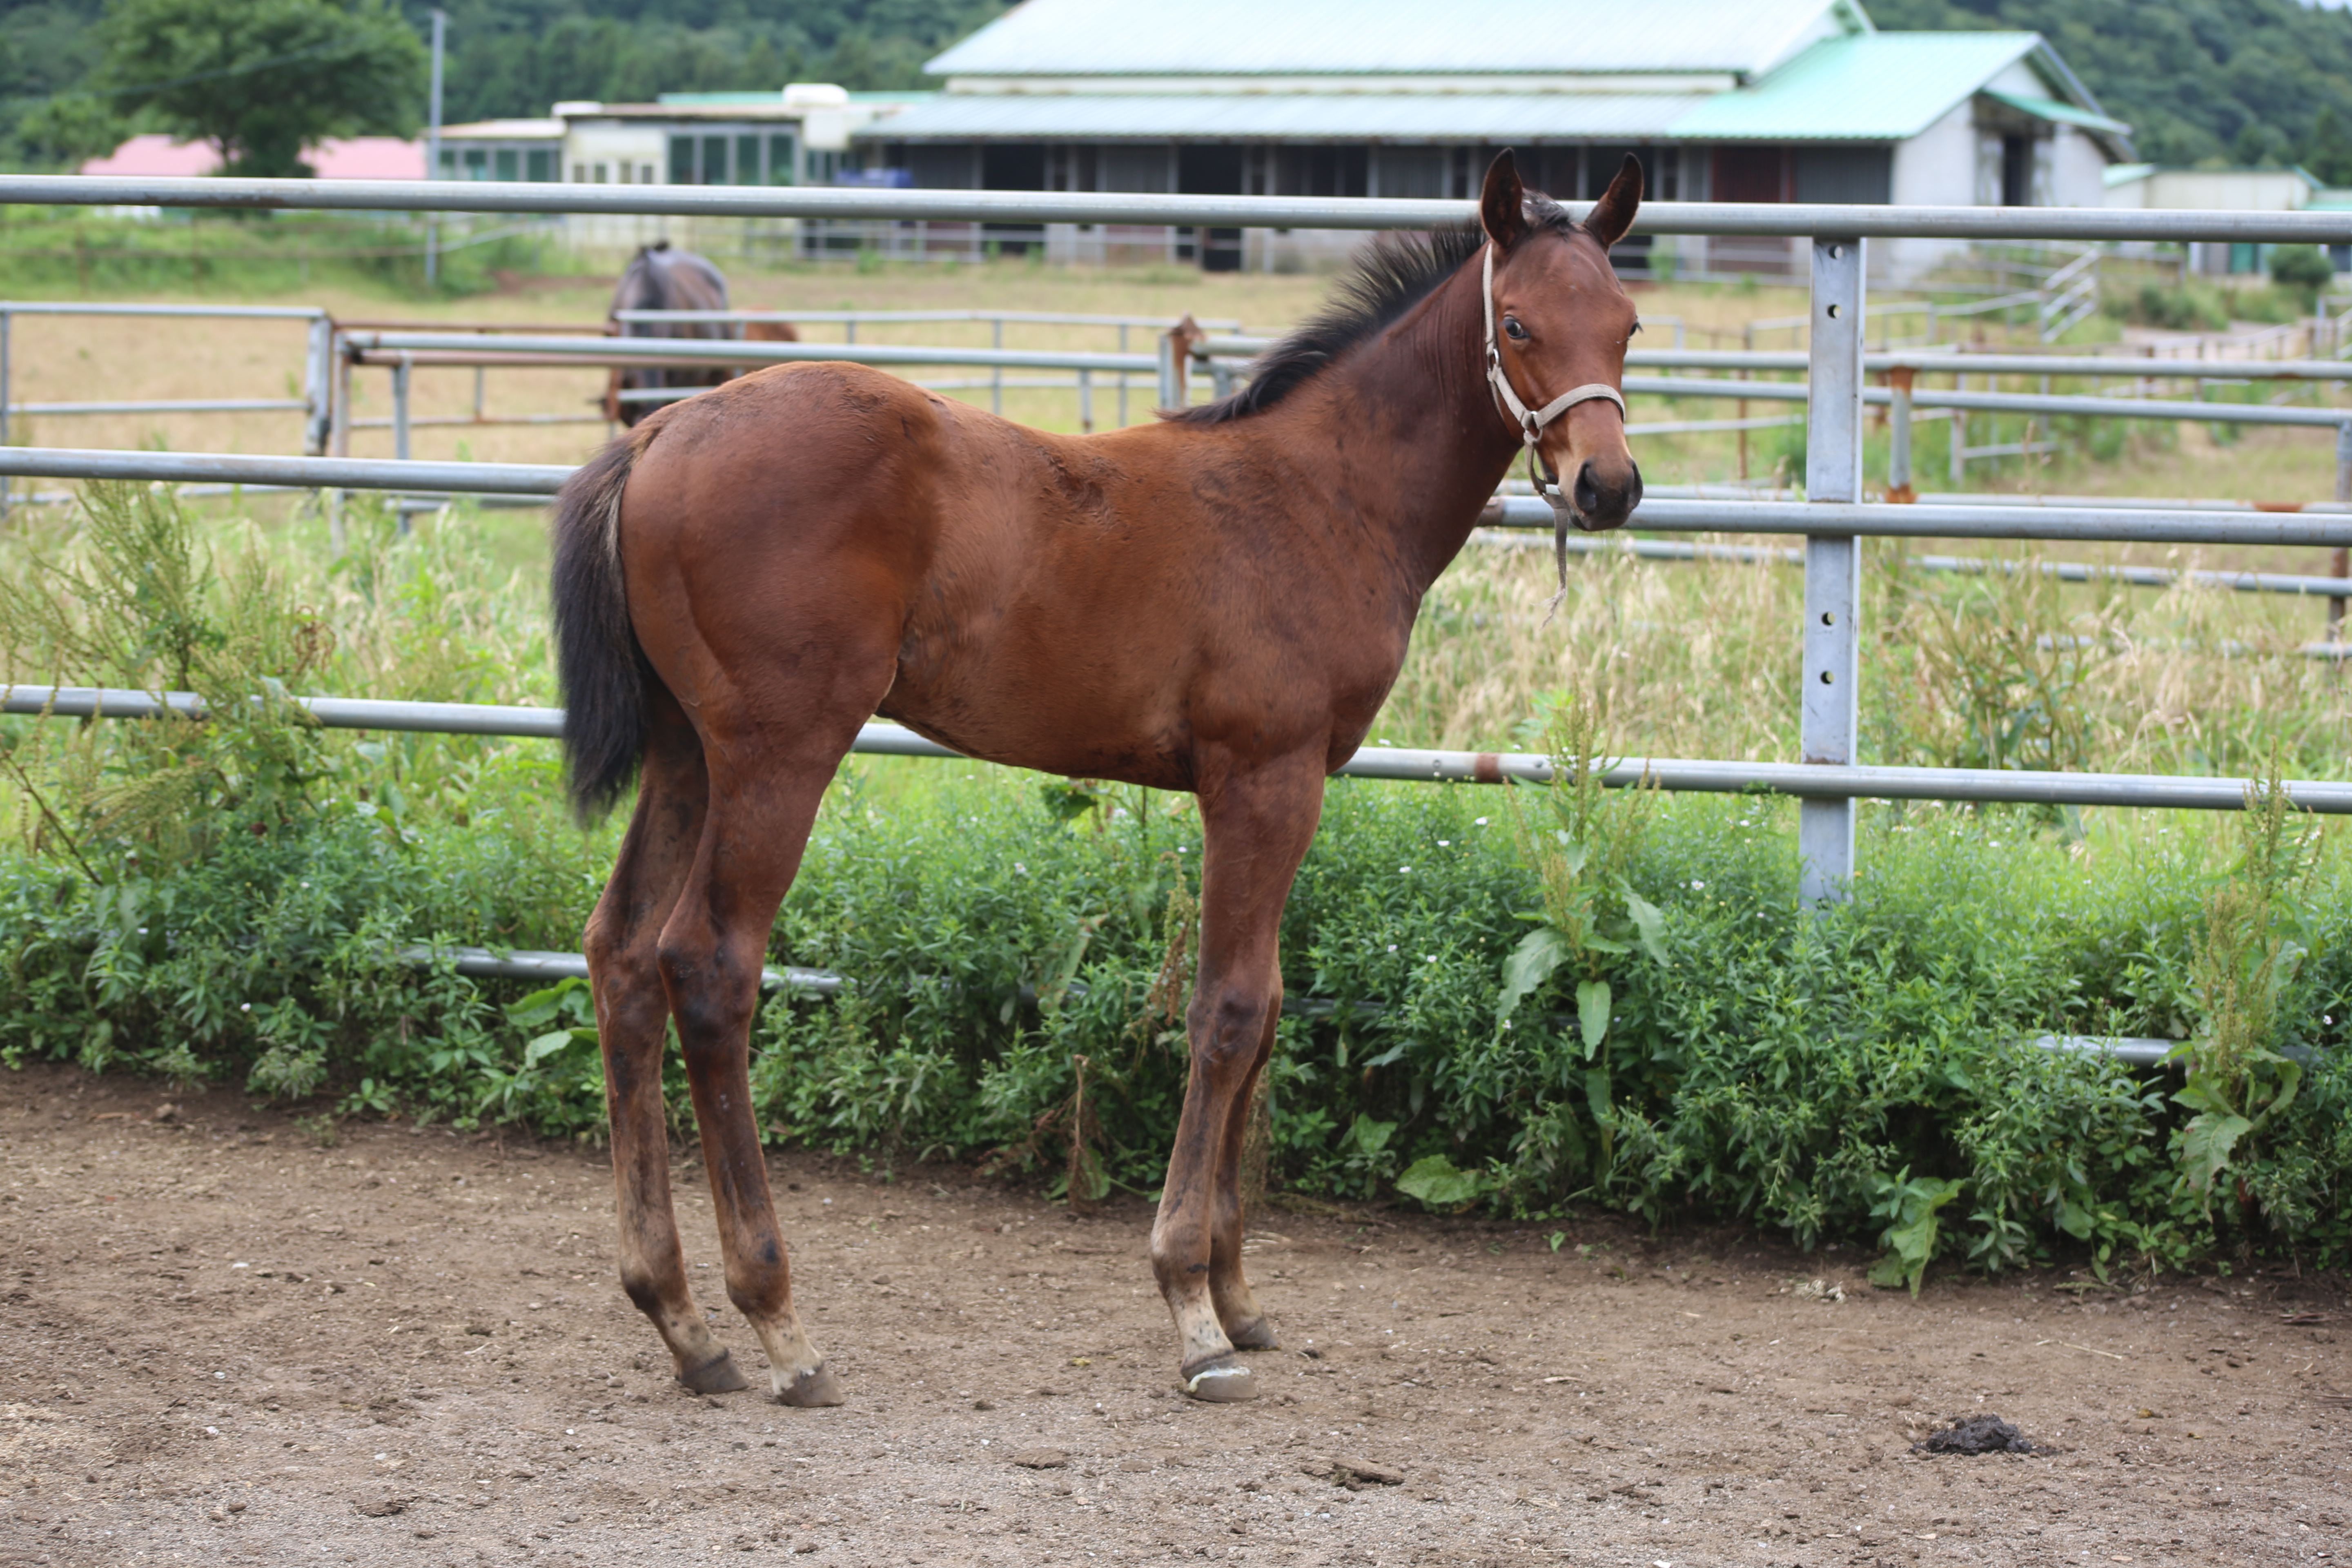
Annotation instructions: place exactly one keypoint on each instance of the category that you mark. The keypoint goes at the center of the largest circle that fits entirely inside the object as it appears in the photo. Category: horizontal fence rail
(470, 349)
(1972, 362)
(1401, 764)
(2064, 570)
(523, 964)
(1853, 519)
(297, 473)
(727, 351)
(890, 317)
(1879, 520)
(1789, 219)
(2091, 406)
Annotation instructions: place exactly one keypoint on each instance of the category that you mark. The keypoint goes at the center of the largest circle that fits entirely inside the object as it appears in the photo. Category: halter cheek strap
(1532, 422)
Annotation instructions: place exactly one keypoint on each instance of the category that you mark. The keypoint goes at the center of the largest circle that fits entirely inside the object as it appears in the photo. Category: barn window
(540, 165)
(781, 160)
(681, 159)
(510, 163)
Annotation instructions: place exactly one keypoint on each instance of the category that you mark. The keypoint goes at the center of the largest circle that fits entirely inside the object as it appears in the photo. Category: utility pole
(432, 149)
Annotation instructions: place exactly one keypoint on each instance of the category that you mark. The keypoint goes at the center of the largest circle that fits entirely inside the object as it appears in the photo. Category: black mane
(1390, 276)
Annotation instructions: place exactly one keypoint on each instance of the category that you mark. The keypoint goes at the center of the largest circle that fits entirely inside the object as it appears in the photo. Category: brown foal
(1217, 602)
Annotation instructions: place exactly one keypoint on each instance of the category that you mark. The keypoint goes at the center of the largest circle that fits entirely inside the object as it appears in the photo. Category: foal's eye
(1512, 329)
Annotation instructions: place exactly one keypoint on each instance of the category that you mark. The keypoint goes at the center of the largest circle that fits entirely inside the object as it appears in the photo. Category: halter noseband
(1531, 422)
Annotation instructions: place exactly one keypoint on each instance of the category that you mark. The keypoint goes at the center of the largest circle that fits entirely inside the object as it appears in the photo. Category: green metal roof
(1870, 86)
(2061, 113)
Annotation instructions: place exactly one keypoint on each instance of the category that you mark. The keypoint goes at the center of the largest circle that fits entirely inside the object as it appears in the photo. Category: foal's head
(1563, 323)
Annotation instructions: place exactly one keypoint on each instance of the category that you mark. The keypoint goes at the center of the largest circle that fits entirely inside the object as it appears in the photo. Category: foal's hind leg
(631, 1018)
(766, 785)
(1245, 1323)
(1258, 829)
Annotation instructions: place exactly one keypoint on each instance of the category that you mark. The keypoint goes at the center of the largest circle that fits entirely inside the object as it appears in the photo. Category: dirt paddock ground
(225, 1343)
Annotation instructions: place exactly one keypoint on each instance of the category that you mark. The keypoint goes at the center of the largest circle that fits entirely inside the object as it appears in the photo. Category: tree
(261, 80)
(2329, 152)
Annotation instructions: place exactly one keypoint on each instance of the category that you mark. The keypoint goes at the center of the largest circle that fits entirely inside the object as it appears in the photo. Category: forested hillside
(2244, 81)
(517, 56)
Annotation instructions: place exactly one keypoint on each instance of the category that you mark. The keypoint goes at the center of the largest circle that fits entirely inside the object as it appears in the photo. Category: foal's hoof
(717, 1376)
(1220, 1382)
(809, 1390)
(1257, 1335)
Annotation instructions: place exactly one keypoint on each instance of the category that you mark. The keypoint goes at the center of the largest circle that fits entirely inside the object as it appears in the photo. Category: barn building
(1760, 100)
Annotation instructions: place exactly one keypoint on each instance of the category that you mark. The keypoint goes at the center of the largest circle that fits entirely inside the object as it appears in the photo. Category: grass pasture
(219, 903)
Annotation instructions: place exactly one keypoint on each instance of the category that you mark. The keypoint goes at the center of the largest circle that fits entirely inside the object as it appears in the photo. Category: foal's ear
(1503, 204)
(1612, 214)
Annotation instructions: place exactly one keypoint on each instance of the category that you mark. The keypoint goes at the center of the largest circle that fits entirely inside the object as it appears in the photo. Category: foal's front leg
(1257, 826)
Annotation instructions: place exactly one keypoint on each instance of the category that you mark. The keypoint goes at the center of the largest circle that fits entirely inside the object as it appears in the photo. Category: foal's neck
(1414, 430)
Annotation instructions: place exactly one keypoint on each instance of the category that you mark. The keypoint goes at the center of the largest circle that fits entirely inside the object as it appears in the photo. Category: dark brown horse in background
(659, 278)
(1218, 604)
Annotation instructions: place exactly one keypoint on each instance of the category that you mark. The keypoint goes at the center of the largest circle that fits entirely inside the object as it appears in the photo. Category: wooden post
(2342, 564)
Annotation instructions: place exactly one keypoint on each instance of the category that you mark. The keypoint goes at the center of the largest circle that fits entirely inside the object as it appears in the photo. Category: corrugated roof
(1354, 116)
(2061, 113)
(1885, 87)
(1414, 38)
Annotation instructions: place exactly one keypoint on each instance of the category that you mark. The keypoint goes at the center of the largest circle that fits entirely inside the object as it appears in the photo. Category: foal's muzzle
(1602, 500)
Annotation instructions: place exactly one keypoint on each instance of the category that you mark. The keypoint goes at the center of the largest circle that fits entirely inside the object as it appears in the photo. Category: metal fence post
(339, 436)
(1087, 402)
(1959, 428)
(996, 375)
(1175, 358)
(317, 385)
(7, 391)
(400, 382)
(1833, 565)
(1122, 378)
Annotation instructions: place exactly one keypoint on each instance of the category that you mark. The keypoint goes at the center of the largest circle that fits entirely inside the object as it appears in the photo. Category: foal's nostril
(1588, 494)
(1634, 489)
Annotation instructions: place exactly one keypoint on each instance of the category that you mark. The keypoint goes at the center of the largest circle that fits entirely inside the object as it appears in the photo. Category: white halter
(1531, 422)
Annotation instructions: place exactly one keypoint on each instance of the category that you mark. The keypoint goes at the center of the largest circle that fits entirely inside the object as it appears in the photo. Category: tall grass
(2008, 668)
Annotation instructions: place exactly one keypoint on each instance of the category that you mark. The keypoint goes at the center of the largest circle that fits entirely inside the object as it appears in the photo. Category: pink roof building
(157, 156)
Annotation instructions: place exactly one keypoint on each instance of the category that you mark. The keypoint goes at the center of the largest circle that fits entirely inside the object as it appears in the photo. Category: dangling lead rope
(1531, 422)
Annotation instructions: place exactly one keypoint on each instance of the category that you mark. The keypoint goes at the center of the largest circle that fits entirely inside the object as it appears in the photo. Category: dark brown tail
(602, 671)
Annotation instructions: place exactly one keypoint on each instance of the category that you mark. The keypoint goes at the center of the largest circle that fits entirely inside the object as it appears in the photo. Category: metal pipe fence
(316, 360)
(1358, 214)
(1813, 785)
(1829, 776)
(400, 350)
(2300, 584)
